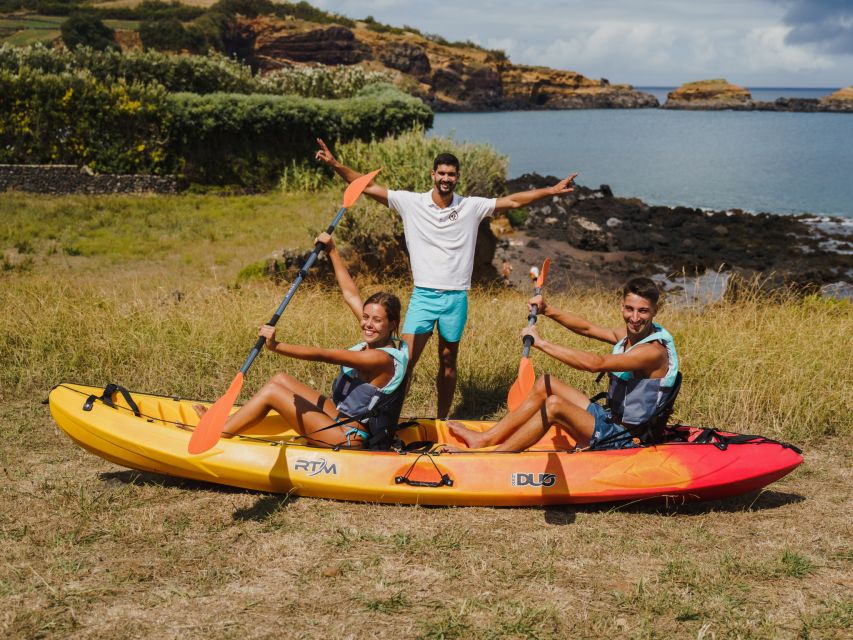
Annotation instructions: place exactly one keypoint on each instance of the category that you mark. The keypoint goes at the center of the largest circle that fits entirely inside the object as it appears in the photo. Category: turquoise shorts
(430, 306)
(607, 433)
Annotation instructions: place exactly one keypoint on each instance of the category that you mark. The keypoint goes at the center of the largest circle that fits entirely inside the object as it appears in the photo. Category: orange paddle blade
(522, 386)
(356, 187)
(540, 281)
(209, 428)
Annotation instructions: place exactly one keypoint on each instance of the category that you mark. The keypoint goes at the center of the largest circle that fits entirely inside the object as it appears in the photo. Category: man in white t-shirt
(441, 233)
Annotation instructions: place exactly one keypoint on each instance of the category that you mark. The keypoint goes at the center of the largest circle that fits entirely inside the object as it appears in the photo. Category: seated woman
(643, 369)
(370, 368)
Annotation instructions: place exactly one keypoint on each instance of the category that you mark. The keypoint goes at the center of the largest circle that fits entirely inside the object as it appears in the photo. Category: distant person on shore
(506, 270)
(370, 370)
(643, 368)
(441, 233)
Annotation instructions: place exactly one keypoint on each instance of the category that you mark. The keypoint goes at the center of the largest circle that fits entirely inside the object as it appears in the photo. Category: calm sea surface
(756, 161)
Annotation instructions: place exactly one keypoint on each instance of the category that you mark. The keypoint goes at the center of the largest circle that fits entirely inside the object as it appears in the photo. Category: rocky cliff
(718, 94)
(448, 77)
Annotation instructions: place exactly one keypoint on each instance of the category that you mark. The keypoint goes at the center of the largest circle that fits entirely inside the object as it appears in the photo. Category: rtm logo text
(534, 479)
(314, 467)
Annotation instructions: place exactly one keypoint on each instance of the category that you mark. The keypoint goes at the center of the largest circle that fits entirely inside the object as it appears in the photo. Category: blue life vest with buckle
(634, 401)
(354, 397)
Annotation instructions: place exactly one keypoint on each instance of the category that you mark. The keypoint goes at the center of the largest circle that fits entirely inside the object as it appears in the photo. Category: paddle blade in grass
(522, 385)
(209, 428)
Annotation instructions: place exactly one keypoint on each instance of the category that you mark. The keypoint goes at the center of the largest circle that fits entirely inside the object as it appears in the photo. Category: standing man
(441, 232)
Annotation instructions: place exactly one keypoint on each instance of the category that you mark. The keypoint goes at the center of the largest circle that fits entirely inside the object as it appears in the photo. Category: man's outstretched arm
(523, 198)
(378, 193)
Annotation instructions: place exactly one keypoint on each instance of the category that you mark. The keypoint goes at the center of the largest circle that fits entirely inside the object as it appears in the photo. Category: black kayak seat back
(382, 422)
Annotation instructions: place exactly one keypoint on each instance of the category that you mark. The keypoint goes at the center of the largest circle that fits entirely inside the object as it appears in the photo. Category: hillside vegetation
(205, 118)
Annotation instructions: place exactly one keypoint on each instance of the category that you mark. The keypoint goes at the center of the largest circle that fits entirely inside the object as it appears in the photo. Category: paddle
(526, 377)
(209, 428)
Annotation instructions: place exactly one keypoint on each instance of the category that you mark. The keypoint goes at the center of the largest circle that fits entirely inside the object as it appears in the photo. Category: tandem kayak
(150, 433)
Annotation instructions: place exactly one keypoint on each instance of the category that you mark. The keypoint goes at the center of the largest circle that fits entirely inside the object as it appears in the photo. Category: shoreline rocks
(720, 95)
(595, 238)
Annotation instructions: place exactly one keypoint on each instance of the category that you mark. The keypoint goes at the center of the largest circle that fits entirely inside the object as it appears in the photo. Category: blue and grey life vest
(354, 397)
(634, 401)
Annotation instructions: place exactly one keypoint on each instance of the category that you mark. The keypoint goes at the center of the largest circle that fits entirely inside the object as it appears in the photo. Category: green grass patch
(27, 37)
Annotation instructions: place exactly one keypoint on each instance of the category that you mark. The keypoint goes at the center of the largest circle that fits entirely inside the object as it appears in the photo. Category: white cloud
(765, 49)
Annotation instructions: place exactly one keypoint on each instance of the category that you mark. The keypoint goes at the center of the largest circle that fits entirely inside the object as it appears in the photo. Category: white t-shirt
(441, 241)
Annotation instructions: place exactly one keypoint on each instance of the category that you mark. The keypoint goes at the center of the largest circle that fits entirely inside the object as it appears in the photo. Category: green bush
(406, 162)
(196, 74)
(75, 119)
(202, 74)
(83, 29)
(321, 81)
(170, 34)
(114, 113)
(230, 138)
(517, 217)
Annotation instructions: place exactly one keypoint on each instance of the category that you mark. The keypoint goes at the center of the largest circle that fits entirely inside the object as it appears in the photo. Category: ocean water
(760, 161)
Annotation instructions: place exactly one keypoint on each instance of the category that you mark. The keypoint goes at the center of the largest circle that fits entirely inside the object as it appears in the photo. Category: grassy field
(142, 291)
(25, 29)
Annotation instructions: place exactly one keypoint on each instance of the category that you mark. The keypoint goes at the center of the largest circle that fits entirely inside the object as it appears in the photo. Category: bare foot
(474, 439)
(449, 448)
(200, 409)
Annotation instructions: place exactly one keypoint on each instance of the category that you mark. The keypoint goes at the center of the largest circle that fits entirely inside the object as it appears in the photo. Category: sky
(646, 43)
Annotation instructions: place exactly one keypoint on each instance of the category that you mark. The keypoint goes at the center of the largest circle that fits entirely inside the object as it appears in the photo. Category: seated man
(643, 368)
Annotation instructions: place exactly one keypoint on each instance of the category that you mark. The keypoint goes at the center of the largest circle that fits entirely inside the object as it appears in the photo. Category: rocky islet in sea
(719, 94)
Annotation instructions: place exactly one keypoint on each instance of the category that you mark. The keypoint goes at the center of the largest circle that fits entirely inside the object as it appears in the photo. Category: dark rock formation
(406, 57)
(598, 238)
(328, 45)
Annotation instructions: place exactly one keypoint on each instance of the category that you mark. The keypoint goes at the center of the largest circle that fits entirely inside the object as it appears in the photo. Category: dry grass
(94, 551)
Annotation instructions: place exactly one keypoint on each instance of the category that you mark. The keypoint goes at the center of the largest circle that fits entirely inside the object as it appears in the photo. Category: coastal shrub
(406, 162)
(57, 109)
(517, 217)
(249, 139)
(196, 74)
(202, 74)
(83, 29)
(152, 10)
(321, 81)
(170, 34)
(73, 118)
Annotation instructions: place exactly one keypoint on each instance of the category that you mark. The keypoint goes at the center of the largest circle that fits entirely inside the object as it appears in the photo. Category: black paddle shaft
(259, 345)
(531, 320)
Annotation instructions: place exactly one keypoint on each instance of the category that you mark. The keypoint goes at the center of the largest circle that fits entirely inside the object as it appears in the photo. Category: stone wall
(62, 179)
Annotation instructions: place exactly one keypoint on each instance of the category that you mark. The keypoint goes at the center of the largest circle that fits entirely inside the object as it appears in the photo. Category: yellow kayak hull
(268, 458)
